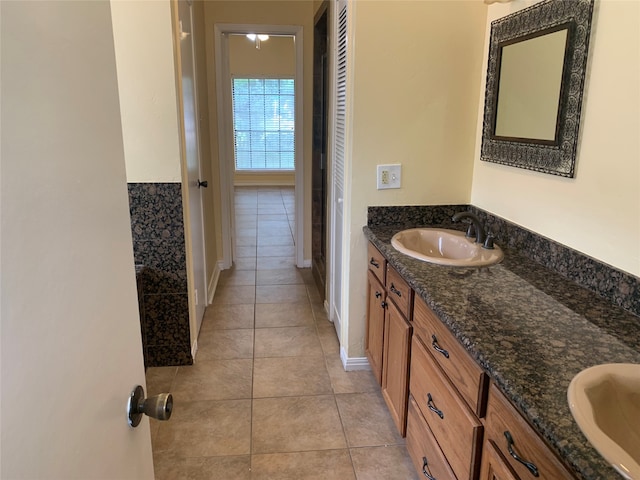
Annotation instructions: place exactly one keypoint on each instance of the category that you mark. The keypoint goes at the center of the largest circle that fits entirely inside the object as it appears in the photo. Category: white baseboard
(213, 283)
(306, 263)
(194, 349)
(353, 363)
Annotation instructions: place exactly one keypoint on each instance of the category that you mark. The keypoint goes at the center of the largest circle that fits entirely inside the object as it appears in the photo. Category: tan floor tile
(247, 263)
(271, 240)
(277, 315)
(225, 317)
(234, 294)
(287, 342)
(206, 429)
(249, 231)
(273, 222)
(213, 380)
(383, 463)
(320, 313)
(245, 252)
(237, 277)
(246, 241)
(329, 340)
(281, 276)
(271, 209)
(221, 344)
(219, 468)
(268, 263)
(366, 420)
(281, 294)
(357, 381)
(169, 466)
(246, 209)
(317, 465)
(276, 250)
(159, 379)
(294, 424)
(277, 377)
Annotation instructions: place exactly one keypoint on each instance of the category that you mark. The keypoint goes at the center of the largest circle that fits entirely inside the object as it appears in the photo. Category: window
(264, 123)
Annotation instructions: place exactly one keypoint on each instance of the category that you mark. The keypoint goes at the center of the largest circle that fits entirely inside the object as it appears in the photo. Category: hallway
(267, 397)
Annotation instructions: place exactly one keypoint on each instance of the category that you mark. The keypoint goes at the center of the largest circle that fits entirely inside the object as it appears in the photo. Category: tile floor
(267, 397)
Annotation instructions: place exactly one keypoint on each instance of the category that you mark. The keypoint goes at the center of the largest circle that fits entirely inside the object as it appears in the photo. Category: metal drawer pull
(426, 473)
(395, 290)
(383, 304)
(432, 407)
(437, 347)
(378, 294)
(374, 263)
(530, 466)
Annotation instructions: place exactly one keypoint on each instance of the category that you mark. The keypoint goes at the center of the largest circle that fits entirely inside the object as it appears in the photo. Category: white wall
(416, 70)
(147, 88)
(598, 211)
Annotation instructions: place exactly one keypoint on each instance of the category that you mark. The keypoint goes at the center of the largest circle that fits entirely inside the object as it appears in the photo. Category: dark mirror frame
(558, 157)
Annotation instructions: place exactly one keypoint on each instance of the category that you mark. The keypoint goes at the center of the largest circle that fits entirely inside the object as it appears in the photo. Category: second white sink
(444, 247)
(605, 402)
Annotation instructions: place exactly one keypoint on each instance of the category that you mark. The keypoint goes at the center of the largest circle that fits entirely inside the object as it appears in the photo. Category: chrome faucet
(475, 228)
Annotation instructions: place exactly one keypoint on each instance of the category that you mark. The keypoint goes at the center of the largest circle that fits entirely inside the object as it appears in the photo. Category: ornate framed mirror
(535, 81)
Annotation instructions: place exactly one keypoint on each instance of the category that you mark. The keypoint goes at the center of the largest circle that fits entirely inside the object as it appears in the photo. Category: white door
(195, 236)
(337, 180)
(71, 347)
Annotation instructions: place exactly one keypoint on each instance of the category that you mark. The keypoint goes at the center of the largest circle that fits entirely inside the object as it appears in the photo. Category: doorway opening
(260, 129)
(320, 148)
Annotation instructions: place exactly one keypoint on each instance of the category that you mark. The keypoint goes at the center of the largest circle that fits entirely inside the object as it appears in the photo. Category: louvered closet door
(338, 163)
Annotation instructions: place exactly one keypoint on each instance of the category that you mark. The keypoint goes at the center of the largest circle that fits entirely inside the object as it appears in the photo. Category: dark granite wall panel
(620, 288)
(157, 227)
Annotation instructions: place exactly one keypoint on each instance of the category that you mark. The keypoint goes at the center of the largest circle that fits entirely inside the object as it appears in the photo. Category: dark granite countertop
(532, 330)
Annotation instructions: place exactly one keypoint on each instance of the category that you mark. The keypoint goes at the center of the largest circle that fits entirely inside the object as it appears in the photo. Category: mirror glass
(529, 87)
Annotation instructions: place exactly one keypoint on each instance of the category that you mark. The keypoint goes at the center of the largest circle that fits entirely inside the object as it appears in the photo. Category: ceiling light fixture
(259, 38)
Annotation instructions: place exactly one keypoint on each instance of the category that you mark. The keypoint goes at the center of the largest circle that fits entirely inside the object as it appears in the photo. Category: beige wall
(416, 70)
(263, 12)
(147, 90)
(598, 211)
(276, 57)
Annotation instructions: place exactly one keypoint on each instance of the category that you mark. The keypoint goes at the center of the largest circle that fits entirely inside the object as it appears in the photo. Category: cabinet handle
(425, 466)
(432, 407)
(437, 347)
(374, 263)
(383, 304)
(395, 290)
(378, 294)
(530, 466)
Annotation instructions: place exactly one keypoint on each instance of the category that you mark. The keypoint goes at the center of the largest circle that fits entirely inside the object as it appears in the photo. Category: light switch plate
(389, 176)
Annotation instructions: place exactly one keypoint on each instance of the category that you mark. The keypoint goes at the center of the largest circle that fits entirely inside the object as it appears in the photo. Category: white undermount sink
(605, 402)
(444, 247)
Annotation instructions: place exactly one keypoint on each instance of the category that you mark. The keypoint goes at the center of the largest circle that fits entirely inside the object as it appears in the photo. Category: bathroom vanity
(474, 363)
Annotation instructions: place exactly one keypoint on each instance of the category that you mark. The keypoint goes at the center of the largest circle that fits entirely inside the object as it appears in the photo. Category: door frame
(225, 146)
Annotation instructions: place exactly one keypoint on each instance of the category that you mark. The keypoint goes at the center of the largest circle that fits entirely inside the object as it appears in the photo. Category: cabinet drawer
(377, 263)
(462, 370)
(423, 448)
(399, 292)
(456, 429)
(503, 417)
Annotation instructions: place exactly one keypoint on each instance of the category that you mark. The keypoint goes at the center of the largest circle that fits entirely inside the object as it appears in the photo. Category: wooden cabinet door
(395, 370)
(374, 347)
(493, 465)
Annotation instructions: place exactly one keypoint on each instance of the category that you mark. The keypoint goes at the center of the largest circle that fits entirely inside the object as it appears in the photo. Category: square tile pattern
(267, 397)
